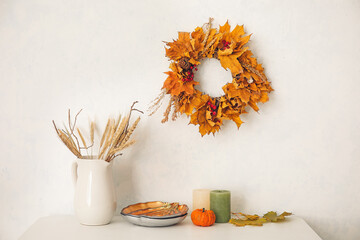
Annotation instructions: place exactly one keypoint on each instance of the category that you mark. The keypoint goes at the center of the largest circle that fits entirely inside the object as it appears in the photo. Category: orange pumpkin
(202, 217)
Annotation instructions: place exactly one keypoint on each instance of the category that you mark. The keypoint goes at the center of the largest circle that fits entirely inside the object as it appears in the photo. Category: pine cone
(184, 63)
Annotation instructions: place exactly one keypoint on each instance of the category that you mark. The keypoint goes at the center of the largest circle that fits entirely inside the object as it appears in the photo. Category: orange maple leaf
(229, 59)
(174, 85)
(231, 110)
(208, 123)
(186, 46)
(179, 48)
(190, 102)
(232, 91)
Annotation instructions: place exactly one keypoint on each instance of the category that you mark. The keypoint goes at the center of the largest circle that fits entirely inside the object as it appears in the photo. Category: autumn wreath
(248, 87)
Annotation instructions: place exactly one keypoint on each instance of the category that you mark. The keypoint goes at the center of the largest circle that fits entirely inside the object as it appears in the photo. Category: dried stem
(131, 130)
(81, 137)
(209, 45)
(105, 133)
(167, 111)
(114, 138)
(175, 113)
(255, 71)
(92, 131)
(157, 102)
(73, 127)
(207, 31)
(56, 129)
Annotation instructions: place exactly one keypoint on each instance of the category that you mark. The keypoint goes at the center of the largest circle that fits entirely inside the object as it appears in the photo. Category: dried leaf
(228, 60)
(175, 86)
(273, 217)
(225, 27)
(237, 32)
(241, 219)
(247, 217)
(242, 223)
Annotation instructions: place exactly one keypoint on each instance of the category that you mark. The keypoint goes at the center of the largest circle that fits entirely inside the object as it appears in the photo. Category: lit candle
(220, 204)
(201, 199)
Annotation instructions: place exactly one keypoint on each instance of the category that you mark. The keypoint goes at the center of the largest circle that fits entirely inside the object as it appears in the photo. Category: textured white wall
(300, 154)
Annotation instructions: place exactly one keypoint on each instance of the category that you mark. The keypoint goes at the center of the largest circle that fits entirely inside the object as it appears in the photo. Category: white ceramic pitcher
(95, 201)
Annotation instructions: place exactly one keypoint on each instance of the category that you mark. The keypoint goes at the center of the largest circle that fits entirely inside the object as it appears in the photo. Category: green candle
(220, 204)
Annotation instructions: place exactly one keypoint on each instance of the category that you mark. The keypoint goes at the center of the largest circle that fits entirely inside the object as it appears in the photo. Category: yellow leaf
(179, 48)
(231, 62)
(189, 103)
(250, 217)
(225, 52)
(244, 40)
(273, 217)
(193, 119)
(198, 34)
(175, 68)
(225, 28)
(242, 223)
(244, 94)
(193, 61)
(237, 32)
(253, 106)
(175, 86)
(202, 129)
(237, 120)
(253, 87)
(264, 97)
(232, 92)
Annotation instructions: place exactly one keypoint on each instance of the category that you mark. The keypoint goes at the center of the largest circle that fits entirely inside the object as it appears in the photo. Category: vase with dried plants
(95, 199)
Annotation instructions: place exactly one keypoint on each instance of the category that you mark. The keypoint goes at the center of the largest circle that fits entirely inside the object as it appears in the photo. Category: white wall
(300, 154)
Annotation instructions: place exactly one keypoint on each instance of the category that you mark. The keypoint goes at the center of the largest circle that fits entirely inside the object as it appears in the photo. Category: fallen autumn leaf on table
(273, 217)
(242, 223)
(241, 219)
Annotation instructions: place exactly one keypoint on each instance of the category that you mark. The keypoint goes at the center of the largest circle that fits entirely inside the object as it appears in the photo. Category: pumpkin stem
(203, 210)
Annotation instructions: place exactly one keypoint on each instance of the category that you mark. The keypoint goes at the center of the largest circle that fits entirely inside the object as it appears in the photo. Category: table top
(67, 227)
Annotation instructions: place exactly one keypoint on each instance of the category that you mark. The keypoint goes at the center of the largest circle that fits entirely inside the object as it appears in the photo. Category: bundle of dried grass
(114, 139)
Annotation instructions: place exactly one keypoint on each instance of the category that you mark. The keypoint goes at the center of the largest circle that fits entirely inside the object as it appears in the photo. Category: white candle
(201, 199)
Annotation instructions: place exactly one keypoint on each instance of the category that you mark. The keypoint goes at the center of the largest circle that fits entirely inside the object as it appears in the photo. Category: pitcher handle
(74, 172)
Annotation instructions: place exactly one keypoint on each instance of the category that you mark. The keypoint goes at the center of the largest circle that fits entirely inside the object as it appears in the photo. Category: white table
(67, 227)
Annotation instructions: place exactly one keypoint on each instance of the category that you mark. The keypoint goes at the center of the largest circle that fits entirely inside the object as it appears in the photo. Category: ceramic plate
(155, 214)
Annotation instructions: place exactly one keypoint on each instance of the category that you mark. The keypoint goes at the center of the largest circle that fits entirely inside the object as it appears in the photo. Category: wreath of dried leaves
(248, 87)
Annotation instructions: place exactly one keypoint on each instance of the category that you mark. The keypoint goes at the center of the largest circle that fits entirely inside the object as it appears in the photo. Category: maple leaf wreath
(248, 87)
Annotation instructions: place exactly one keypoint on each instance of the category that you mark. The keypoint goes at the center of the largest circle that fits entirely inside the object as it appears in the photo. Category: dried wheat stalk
(207, 31)
(255, 71)
(168, 110)
(176, 110)
(114, 139)
(156, 103)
